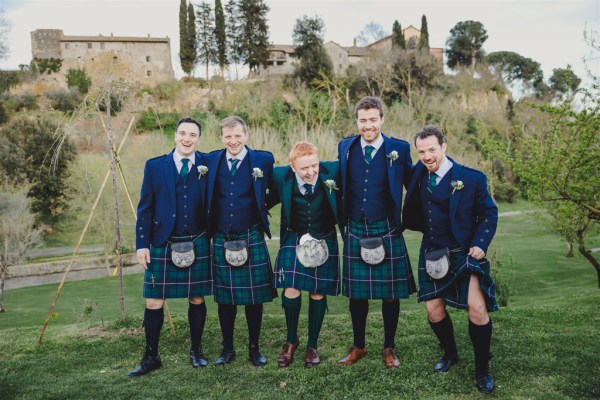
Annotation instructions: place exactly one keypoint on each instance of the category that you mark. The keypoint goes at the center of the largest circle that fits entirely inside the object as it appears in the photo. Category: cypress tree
(233, 33)
(398, 40)
(191, 37)
(206, 35)
(183, 38)
(220, 38)
(424, 39)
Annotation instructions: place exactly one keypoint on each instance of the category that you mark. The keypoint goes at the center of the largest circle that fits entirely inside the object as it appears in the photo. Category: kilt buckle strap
(371, 250)
(236, 252)
(312, 252)
(437, 262)
(182, 254)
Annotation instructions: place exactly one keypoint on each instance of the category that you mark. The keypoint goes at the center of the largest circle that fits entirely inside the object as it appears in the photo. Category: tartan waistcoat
(436, 212)
(368, 194)
(311, 215)
(190, 217)
(235, 205)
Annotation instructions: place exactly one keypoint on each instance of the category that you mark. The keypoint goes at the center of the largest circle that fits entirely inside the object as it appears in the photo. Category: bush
(77, 78)
(505, 191)
(151, 120)
(65, 101)
(21, 102)
(3, 115)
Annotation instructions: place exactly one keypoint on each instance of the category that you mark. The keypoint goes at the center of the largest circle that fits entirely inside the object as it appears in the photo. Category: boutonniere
(202, 170)
(393, 156)
(457, 185)
(331, 185)
(257, 173)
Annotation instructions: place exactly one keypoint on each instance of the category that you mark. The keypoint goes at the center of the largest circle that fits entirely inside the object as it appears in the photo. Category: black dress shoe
(444, 364)
(148, 363)
(485, 382)
(227, 356)
(198, 359)
(255, 357)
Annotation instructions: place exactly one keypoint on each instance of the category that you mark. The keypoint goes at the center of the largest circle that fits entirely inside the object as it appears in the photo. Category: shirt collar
(301, 183)
(240, 156)
(376, 144)
(443, 169)
(177, 158)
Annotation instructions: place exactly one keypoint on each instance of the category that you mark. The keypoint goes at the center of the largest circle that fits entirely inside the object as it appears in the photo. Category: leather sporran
(182, 254)
(312, 252)
(437, 262)
(371, 250)
(236, 252)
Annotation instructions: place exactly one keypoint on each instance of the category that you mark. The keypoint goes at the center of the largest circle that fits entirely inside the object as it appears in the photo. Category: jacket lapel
(256, 182)
(213, 169)
(457, 174)
(387, 149)
(170, 174)
(287, 191)
(331, 195)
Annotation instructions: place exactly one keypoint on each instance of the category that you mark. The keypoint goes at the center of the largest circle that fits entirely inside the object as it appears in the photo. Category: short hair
(430, 130)
(231, 122)
(302, 149)
(191, 121)
(367, 103)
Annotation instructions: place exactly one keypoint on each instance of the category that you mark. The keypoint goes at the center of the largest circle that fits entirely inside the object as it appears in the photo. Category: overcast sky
(550, 32)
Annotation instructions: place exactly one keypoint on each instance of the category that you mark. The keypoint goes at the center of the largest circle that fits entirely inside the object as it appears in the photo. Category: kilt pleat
(454, 288)
(251, 283)
(391, 279)
(163, 280)
(290, 273)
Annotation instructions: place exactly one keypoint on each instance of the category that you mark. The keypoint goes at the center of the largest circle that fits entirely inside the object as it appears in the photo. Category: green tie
(368, 150)
(233, 162)
(432, 181)
(309, 189)
(184, 168)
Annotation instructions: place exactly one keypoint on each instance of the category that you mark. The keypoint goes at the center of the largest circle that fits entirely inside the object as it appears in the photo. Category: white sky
(550, 32)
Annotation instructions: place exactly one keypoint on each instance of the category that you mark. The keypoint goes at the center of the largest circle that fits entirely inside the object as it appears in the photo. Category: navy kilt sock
(153, 322)
(444, 330)
(254, 313)
(227, 314)
(481, 337)
(390, 310)
(197, 319)
(359, 310)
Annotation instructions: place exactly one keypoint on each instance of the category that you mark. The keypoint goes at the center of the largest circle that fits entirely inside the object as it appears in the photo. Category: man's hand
(143, 257)
(474, 252)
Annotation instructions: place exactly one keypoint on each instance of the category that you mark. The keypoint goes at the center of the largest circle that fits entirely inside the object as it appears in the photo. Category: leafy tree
(314, 60)
(220, 37)
(510, 66)
(27, 147)
(206, 35)
(424, 39)
(559, 169)
(564, 80)
(371, 33)
(413, 71)
(464, 44)
(233, 33)
(77, 78)
(397, 36)
(254, 33)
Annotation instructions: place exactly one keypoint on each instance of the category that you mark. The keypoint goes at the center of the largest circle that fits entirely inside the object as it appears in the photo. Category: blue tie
(309, 189)
(432, 181)
(184, 168)
(233, 162)
(368, 150)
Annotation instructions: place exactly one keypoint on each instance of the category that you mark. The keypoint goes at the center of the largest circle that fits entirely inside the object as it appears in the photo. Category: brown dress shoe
(390, 358)
(287, 354)
(356, 353)
(311, 357)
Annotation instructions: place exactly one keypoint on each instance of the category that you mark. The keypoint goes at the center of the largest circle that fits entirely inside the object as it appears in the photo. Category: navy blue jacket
(473, 214)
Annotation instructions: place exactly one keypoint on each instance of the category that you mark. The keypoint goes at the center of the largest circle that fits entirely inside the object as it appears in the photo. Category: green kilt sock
(153, 323)
(197, 320)
(291, 308)
(481, 337)
(316, 314)
(444, 331)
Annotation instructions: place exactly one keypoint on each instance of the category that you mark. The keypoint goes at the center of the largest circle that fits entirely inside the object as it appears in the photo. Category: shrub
(151, 120)
(77, 78)
(65, 101)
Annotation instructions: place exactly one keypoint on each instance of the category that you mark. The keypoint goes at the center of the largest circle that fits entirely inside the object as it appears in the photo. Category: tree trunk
(570, 248)
(589, 256)
(2, 279)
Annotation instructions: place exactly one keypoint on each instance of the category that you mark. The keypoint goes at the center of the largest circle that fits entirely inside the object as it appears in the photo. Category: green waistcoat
(311, 215)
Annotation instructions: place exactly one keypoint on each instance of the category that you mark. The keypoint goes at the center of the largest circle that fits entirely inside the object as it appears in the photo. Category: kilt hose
(163, 280)
(290, 273)
(251, 283)
(391, 279)
(454, 288)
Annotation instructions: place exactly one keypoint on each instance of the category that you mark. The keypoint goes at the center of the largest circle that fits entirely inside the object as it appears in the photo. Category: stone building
(145, 61)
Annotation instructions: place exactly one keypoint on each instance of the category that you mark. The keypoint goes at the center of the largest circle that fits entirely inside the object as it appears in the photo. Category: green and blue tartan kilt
(290, 273)
(251, 283)
(391, 279)
(163, 280)
(454, 288)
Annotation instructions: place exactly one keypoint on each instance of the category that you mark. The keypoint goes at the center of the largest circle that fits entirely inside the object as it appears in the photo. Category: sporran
(182, 254)
(371, 250)
(437, 262)
(312, 252)
(236, 252)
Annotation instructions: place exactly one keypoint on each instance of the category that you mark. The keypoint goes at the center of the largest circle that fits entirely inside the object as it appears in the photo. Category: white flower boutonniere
(393, 156)
(331, 185)
(257, 173)
(202, 170)
(457, 185)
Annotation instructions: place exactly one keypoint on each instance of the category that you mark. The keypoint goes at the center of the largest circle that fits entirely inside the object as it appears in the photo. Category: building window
(115, 60)
(147, 58)
(102, 46)
(89, 45)
(66, 46)
(148, 73)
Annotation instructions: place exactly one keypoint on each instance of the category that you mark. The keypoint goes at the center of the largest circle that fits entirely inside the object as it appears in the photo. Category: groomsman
(238, 178)
(172, 243)
(451, 205)
(374, 167)
(308, 258)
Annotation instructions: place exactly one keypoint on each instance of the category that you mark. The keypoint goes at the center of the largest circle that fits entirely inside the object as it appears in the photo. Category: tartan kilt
(391, 279)
(454, 288)
(251, 283)
(290, 273)
(163, 280)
